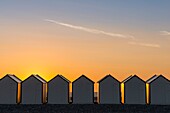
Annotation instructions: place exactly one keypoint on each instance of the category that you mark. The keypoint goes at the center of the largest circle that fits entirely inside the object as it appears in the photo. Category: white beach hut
(109, 90)
(134, 90)
(58, 90)
(10, 87)
(83, 91)
(34, 90)
(159, 90)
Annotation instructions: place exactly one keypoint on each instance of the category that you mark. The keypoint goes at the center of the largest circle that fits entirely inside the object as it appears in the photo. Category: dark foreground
(96, 108)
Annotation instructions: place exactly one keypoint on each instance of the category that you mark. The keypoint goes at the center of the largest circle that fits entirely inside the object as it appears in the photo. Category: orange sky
(84, 38)
(48, 50)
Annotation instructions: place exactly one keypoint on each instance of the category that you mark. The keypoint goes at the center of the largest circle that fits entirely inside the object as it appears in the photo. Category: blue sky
(141, 14)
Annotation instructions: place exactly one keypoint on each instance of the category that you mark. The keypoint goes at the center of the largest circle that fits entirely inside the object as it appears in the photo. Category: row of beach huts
(133, 90)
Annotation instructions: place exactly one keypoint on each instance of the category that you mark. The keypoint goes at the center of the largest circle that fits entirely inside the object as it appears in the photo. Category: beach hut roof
(107, 77)
(62, 77)
(13, 77)
(85, 78)
(130, 77)
(155, 77)
(152, 79)
(36, 77)
(40, 78)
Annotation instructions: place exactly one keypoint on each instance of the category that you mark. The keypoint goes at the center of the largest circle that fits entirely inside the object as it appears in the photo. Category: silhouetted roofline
(107, 77)
(16, 78)
(157, 78)
(40, 79)
(130, 77)
(84, 77)
(62, 77)
(12, 77)
(125, 80)
(151, 79)
(36, 76)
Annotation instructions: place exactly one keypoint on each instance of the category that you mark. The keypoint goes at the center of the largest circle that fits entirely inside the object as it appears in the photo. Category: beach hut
(109, 90)
(159, 90)
(58, 90)
(34, 90)
(134, 90)
(10, 87)
(83, 90)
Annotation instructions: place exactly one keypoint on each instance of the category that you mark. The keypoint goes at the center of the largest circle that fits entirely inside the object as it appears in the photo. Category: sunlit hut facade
(10, 89)
(83, 91)
(134, 90)
(58, 90)
(109, 90)
(34, 90)
(158, 90)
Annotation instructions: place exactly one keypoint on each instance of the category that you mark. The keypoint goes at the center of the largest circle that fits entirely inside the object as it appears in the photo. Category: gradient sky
(91, 37)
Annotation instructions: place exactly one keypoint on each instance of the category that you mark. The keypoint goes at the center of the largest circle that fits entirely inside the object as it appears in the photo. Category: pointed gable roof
(151, 79)
(127, 79)
(106, 77)
(60, 76)
(40, 78)
(13, 77)
(130, 77)
(36, 76)
(155, 77)
(83, 76)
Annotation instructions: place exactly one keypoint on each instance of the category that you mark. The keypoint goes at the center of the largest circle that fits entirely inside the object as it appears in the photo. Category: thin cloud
(94, 31)
(145, 44)
(166, 33)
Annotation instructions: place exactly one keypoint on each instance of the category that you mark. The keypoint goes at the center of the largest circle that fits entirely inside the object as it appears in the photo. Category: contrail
(167, 33)
(145, 44)
(94, 31)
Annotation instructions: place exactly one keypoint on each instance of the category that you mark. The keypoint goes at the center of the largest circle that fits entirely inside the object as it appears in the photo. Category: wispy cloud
(166, 33)
(145, 44)
(90, 30)
(96, 31)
